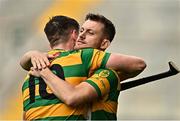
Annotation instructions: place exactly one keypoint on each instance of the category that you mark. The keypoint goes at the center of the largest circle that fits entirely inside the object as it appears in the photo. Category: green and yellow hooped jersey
(107, 85)
(73, 66)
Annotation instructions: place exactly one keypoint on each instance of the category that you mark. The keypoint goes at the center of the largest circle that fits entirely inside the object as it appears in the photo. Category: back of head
(109, 28)
(59, 28)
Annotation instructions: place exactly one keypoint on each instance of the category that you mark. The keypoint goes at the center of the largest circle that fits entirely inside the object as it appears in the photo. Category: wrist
(45, 72)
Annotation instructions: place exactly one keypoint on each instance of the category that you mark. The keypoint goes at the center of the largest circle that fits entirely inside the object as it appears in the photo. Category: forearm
(128, 66)
(62, 89)
(132, 67)
(69, 94)
(35, 59)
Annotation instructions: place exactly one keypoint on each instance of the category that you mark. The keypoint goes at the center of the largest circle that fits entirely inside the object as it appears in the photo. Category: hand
(40, 60)
(34, 72)
(39, 73)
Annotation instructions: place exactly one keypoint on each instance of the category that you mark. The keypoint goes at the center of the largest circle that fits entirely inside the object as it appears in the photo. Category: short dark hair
(58, 29)
(109, 28)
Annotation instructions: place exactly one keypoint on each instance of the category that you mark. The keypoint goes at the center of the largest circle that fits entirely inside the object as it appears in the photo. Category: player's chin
(80, 46)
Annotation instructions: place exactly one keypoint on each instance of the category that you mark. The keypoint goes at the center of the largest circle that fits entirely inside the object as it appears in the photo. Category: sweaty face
(90, 35)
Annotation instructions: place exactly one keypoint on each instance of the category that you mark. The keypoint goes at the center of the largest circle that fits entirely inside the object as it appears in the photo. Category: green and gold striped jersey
(73, 66)
(107, 85)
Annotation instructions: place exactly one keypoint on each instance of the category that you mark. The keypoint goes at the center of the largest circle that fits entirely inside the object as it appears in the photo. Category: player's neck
(63, 46)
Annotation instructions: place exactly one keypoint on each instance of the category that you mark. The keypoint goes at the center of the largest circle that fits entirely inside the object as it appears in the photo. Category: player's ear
(74, 34)
(105, 44)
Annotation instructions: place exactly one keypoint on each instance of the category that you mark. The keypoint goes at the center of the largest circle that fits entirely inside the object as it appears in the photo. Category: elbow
(141, 65)
(138, 68)
(70, 101)
(134, 69)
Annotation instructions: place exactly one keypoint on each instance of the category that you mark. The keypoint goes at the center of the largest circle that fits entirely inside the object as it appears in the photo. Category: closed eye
(81, 30)
(91, 32)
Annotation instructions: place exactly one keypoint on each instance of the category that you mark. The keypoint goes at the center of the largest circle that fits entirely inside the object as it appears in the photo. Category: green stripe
(26, 83)
(39, 102)
(75, 71)
(86, 56)
(63, 54)
(113, 79)
(113, 96)
(69, 71)
(72, 117)
(105, 59)
(66, 53)
(103, 115)
(95, 86)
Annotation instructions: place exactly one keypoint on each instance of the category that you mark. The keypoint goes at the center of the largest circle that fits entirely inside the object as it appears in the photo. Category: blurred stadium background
(146, 28)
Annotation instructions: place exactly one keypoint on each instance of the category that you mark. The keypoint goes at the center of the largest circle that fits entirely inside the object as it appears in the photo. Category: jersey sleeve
(104, 80)
(94, 59)
(100, 58)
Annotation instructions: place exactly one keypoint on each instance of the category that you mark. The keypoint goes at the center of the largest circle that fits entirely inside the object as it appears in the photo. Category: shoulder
(104, 80)
(110, 75)
(87, 53)
(107, 73)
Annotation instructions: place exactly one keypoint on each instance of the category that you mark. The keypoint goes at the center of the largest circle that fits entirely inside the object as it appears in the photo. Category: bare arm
(84, 92)
(126, 66)
(36, 59)
(69, 94)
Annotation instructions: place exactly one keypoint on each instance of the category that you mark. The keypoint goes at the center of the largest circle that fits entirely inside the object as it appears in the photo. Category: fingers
(34, 63)
(45, 59)
(34, 72)
(39, 60)
(42, 63)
